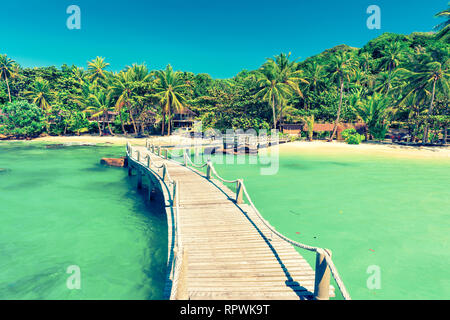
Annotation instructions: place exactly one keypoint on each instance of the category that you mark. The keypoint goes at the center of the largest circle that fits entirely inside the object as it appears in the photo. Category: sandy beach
(315, 147)
(388, 150)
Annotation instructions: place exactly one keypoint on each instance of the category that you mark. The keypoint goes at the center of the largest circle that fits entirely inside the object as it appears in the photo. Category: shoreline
(367, 149)
(314, 147)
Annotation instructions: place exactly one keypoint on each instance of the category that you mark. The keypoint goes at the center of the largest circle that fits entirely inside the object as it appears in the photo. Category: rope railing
(241, 186)
(178, 252)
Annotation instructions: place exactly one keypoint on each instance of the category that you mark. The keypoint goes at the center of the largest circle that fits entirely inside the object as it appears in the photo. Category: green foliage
(351, 136)
(401, 79)
(22, 119)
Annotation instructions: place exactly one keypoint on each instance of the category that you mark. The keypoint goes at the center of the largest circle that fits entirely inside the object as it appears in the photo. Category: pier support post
(159, 151)
(139, 179)
(239, 192)
(166, 154)
(322, 277)
(164, 172)
(208, 170)
(149, 161)
(185, 155)
(138, 156)
(153, 148)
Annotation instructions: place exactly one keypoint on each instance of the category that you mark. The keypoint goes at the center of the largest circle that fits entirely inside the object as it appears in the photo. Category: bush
(22, 119)
(351, 136)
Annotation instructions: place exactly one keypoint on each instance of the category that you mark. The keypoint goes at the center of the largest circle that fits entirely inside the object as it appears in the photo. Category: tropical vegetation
(394, 82)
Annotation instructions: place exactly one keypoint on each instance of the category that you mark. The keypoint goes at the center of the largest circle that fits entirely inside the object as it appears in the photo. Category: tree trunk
(389, 81)
(110, 129)
(7, 85)
(163, 124)
(339, 112)
(132, 120)
(100, 133)
(430, 112)
(273, 110)
(168, 125)
(121, 123)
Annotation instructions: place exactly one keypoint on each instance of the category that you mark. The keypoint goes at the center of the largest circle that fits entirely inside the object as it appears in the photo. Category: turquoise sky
(216, 37)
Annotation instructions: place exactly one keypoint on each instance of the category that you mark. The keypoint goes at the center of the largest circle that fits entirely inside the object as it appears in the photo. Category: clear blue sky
(208, 36)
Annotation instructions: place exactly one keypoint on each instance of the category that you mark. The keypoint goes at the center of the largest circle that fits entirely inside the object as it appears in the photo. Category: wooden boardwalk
(227, 250)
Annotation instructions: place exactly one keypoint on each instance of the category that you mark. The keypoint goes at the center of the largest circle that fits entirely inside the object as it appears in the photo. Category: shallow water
(60, 207)
(369, 210)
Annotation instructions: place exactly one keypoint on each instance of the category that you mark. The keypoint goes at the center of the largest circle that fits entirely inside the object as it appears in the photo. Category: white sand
(322, 147)
(315, 147)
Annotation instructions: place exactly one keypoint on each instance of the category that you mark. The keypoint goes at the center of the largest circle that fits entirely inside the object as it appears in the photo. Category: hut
(183, 119)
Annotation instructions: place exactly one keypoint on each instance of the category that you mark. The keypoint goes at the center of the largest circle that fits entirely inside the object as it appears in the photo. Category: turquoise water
(60, 207)
(370, 211)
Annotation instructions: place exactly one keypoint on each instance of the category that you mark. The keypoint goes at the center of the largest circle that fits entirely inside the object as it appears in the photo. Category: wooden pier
(220, 247)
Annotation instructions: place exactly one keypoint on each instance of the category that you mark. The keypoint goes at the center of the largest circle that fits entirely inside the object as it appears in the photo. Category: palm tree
(99, 106)
(373, 111)
(429, 78)
(443, 14)
(290, 74)
(7, 67)
(392, 56)
(444, 27)
(122, 90)
(168, 88)
(96, 70)
(315, 74)
(341, 69)
(40, 94)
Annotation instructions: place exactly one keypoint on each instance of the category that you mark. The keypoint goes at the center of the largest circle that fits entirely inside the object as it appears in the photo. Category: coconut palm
(373, 111)
(443, 14)
(122, 91)
(99, 105)
(41, 94)
(168, 88)
(341, 69)
(96, 70)
(428, 79)
(277, 81)
(391, 59)
(7, 67)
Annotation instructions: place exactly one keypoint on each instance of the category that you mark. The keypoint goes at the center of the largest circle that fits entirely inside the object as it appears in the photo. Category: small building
(298, 128)
(183, 119)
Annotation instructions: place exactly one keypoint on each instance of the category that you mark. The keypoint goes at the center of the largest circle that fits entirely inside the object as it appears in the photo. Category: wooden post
(185, 155)
(138, 156)
(208, 170)
(153, 148)
(322, 277)
(139, 179)
(239, 192)
(166, 154)
(164, 172)
(149, 162)
(159, 151)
